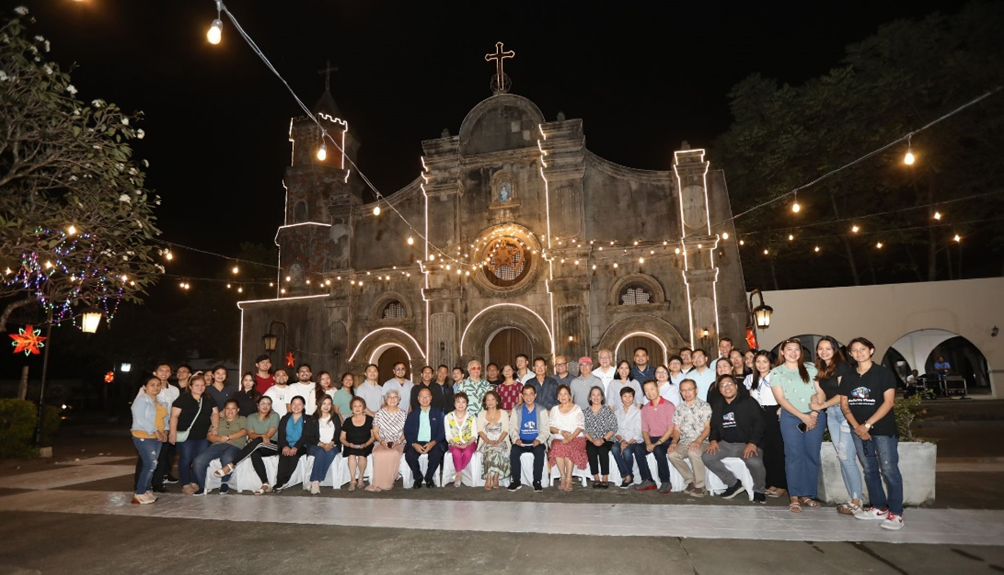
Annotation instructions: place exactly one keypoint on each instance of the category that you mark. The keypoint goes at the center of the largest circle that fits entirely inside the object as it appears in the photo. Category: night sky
(642, 76)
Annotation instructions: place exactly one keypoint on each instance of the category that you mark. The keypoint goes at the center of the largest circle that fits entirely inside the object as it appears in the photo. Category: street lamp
(761, 313)
(270, 340)
(90, 319)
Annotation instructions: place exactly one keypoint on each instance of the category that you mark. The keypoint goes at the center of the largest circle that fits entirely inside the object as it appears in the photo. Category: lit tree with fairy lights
(76, 221)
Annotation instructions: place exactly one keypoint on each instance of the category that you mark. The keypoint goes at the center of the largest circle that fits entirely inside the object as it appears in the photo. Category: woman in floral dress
(493, 429)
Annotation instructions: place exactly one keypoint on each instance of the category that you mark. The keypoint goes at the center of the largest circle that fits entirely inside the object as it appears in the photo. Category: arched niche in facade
(490, 320)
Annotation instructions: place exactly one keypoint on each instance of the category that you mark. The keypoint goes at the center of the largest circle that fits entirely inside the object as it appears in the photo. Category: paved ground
(40, 536)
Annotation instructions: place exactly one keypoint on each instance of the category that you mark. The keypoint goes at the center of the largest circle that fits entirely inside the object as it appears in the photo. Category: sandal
(352, 485)
(809, 502)
(795, 507)
(223, 471)
(262, 490)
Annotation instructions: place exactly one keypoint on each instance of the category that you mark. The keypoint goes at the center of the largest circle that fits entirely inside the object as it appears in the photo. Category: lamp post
(759, 316)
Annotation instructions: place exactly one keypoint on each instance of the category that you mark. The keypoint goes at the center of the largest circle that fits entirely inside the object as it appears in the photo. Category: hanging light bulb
(910, 159)
(879, 245)
(766, 251)
(855, 228)
(72, 230)
(816, 249)
(791, 237)
(376, 210)
(725, 235)
(169, 255)
(322, 152)
(795, 207)
(641, 260)
(215, 32)
(235, 269)
(957, 238)
(411, 241)
(937, 216)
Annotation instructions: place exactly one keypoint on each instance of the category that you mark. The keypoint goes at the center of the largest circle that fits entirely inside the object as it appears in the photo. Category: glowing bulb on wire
(795, 207)
(909, 158)
(72, 230)
(322, 152)
(725, 235)
(879, 245)
(376, 210)
(937, 216)
(215, 32)
(411, 241)
(957, 238)
(855, 229)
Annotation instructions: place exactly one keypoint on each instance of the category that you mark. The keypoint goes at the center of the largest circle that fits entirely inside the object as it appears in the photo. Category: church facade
(514, 238)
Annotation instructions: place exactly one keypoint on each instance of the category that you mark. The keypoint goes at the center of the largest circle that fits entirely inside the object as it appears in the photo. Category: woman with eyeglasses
(802, 422)
(758, 384)
(832, 368)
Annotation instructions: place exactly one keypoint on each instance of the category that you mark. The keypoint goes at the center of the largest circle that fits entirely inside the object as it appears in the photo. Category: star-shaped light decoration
(110, 377)
(508, 254)
(751, 338)
(28, 340)
(290, 360)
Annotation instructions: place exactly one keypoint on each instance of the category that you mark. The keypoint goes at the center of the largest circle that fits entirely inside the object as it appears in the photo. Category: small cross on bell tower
(500, 82)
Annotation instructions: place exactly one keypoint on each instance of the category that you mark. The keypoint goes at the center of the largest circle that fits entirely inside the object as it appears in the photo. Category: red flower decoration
(29, 341)
(290, 360)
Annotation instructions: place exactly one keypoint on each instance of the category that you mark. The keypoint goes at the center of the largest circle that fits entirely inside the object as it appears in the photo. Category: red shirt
(263, 383)
(657, 418)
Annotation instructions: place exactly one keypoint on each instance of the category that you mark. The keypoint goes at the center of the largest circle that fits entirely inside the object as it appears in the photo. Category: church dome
(501, 122)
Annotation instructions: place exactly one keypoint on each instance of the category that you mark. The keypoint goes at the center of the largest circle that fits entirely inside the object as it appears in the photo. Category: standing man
(641, 371)
(724, 347)
(370, 390)
(702, 375)
(263, 378)
(442, 394)
(656, 430)
(401, 384)
(530, 429)
(581, 385)
(475, 387)
(280, 393)
(544, 385)
(561, 374)
(686, 357)
(606, 371)
(184, 374)
(424, 434)
(304, 388)
(691, 429)
(523, 372)
(217, 386)
(492, 373)
(736, 431)
(165, 461)
(676, 373)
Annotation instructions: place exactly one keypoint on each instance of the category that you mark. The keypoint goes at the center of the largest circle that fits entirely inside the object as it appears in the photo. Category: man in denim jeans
(867, 402)
(628, 444)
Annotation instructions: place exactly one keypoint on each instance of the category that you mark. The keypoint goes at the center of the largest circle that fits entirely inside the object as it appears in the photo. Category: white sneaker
(893, 522)
(872, 514)
(315, 488)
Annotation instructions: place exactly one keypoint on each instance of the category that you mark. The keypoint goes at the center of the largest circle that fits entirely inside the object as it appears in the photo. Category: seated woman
(225, 443)
(261, 428)
(297, 431)
(193, 415)
(461, 436)
(150, 423)
(247, 396)
(357, 440)
(568, 446)
(600, 425)
(329, 428)
(388, 435)
(493, 430)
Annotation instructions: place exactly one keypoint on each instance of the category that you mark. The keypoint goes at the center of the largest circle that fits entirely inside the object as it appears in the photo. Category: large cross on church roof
(499, 84)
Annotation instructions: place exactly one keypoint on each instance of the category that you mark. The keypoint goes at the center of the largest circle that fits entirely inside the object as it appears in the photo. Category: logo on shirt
(729, 417)
(861, 393)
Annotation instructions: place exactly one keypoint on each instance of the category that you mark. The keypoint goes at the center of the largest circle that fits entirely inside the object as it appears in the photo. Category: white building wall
(885, 313)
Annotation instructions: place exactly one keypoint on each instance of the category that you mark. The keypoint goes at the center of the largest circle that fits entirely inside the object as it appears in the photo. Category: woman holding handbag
(192, 416)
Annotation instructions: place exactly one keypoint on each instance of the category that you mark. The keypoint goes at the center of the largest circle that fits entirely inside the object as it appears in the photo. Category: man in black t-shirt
(736, 431)
(867, 400)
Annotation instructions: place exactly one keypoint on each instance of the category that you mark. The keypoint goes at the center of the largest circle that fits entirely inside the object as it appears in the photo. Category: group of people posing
(692, 414)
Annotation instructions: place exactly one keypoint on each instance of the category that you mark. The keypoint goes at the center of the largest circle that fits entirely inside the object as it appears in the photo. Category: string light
(791, 237)
(957, 238)
(168, 255)
(909, 158)
(322, 152)
(879, 245)
(766, 251)
(72, 230)
(411, 241)
(816, 249)
(855, 229)
(937, 216)
(741, 242)
(376, 210)
(235, 269)
(725, 236)
(641, 260)
(215, 32)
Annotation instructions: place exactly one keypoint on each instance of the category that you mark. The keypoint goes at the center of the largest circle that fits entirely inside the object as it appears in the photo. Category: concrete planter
(917, 463)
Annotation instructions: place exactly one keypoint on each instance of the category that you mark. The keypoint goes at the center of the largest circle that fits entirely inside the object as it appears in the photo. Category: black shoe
(605, 485)
(170, 479)
(537, 488)
(158, 489)
(597, 485)
(224, 488)
(514, 486)
(733, 491)
(759, 498)
(418, 484)
(430, 483)
(625, 483)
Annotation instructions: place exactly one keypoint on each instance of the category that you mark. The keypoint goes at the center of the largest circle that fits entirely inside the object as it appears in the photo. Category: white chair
(675, 479)
(244, 477)
(716, 486)
(408, 479)
(526, 472)
(470, 476)
(329, 478)
(341, 467)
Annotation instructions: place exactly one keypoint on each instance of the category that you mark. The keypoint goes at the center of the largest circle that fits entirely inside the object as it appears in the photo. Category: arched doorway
(656, 349)
(921, 349)
(505, 344)
(388, 356)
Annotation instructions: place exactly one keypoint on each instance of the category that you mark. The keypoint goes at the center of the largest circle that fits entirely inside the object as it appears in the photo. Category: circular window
(507, 262)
